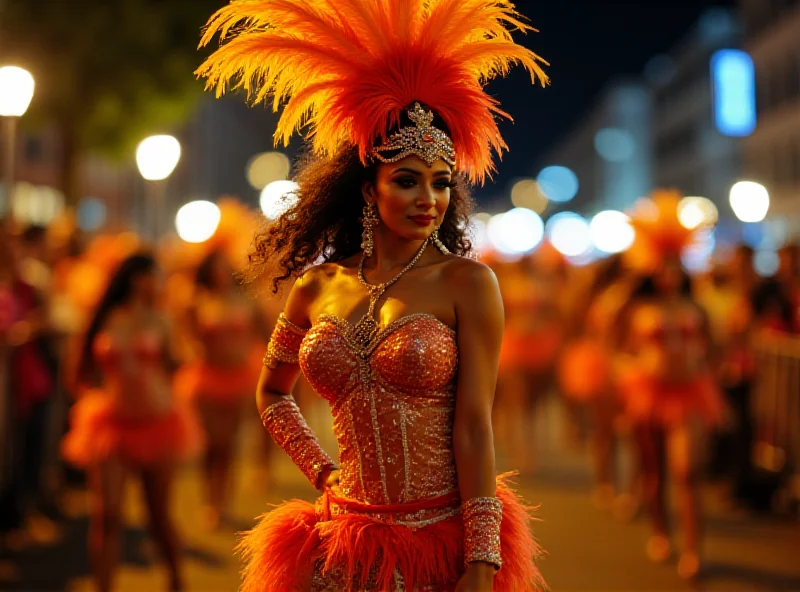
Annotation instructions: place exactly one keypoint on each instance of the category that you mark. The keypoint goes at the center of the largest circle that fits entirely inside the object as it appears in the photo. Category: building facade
(693, 151)
(609, 150)
(772, 153)
(661, 129)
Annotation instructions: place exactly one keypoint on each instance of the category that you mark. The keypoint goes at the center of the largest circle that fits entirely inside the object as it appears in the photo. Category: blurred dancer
(395, 329)
(667, 383)
(227, 326)
(531, 341)
(126, 421)
(585, 378)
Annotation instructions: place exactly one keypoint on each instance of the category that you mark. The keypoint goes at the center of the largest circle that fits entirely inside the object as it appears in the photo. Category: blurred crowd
(655, 357)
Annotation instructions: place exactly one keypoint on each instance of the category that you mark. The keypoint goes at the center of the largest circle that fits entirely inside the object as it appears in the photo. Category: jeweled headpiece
(423, 140)
(347, 69)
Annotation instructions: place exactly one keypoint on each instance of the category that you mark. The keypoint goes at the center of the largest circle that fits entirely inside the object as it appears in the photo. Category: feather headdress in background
(659, 231)
(346, 69)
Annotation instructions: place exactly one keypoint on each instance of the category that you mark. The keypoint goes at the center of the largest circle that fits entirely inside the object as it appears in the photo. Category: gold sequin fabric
(284, 343)
(290, 431)
(393, 406)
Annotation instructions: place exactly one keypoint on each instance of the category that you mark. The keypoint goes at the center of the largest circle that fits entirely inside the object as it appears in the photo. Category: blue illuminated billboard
(734, 85)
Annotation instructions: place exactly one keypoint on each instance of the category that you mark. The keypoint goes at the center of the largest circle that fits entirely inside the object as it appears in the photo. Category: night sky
(588, 43)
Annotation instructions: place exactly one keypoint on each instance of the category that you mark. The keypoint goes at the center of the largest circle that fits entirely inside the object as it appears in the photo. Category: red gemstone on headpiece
(427, 138)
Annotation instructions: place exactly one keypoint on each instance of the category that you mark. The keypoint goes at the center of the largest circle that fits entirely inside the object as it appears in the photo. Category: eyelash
(408, 183)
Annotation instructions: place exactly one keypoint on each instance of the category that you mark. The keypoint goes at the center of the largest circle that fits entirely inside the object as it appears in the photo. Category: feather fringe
(280, 552)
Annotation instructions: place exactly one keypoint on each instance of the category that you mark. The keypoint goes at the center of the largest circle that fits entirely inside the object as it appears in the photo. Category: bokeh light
(526, 193)
(558, 183)
(766, 262)
(479, 232)
(91, 214)
(611, 231)
(694, 212)
(614, 144)
(267, 167)
(16, 91)
(36, 204)
(157, 157)
(749, 201)
(278, 197)
(697, 256)
(517, 231)
(197, 221)
(569, 234)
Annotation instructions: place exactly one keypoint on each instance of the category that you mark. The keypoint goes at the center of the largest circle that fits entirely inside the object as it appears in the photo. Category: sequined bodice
(392, 405)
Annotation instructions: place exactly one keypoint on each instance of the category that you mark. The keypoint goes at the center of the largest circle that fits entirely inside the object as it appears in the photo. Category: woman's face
(411, 196)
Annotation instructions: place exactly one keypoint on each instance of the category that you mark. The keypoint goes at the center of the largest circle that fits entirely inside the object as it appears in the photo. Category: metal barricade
(776, 412)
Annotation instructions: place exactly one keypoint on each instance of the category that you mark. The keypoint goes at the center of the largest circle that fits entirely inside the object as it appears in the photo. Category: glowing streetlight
(277, 198)
(16, 92)
(749, 201)
(157, 157)
(611, 231)
(197, 221)
(569, 234)
(694, 212)
(516, 232)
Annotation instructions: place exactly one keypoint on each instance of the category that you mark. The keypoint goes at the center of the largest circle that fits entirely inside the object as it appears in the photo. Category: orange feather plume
(659, 232)
(345, 69)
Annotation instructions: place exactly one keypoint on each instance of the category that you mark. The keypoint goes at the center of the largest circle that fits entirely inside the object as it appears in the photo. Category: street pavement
(587, 550)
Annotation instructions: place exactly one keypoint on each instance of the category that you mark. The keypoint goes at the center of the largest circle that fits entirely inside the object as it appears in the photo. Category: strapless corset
(392, 405)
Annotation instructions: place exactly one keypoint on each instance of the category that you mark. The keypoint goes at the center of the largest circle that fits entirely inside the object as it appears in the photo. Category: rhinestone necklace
(366, 328)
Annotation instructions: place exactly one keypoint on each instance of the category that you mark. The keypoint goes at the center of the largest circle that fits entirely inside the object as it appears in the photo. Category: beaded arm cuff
(284, 344)
(482, 516)
(289, 429)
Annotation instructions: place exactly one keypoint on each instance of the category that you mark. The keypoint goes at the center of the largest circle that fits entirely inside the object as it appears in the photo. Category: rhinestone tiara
(423, 140)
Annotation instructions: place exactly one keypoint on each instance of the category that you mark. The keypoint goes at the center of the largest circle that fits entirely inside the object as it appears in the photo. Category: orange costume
(104, 427)
(668, 380)
(349, 69)
(209, 378)
(399, 505)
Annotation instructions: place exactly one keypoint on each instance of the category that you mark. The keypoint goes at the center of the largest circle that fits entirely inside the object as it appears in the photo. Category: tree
(108, 72)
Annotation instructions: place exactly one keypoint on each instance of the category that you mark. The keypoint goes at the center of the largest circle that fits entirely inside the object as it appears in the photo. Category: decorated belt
(451, 499)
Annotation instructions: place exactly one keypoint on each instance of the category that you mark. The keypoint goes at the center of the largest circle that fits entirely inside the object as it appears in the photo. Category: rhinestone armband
(290, 431)
(284, 344)
(482, 517)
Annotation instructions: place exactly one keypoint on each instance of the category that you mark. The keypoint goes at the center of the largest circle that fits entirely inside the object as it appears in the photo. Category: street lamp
(157, 157)
(16, 92)
(749, 201)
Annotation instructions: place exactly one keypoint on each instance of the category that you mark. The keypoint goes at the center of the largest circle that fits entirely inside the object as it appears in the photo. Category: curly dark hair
(325, 223)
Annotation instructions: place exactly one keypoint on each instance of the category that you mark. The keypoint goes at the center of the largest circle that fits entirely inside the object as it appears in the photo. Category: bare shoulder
(307, 289)
(469, 277)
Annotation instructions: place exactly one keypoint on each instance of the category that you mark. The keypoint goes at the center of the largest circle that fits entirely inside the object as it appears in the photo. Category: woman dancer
(585, 373)
(667, 382)
(226, 324)
(531, 341)
(396, 329)
(126, 420)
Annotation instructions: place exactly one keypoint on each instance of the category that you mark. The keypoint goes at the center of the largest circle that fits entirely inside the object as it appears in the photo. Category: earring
(438, 242)
(370, 221)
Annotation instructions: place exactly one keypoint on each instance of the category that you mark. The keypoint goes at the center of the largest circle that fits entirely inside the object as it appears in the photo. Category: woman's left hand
(479, 577)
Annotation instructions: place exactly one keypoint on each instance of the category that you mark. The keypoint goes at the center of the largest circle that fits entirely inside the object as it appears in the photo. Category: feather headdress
(659, 231)
(347, 68)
